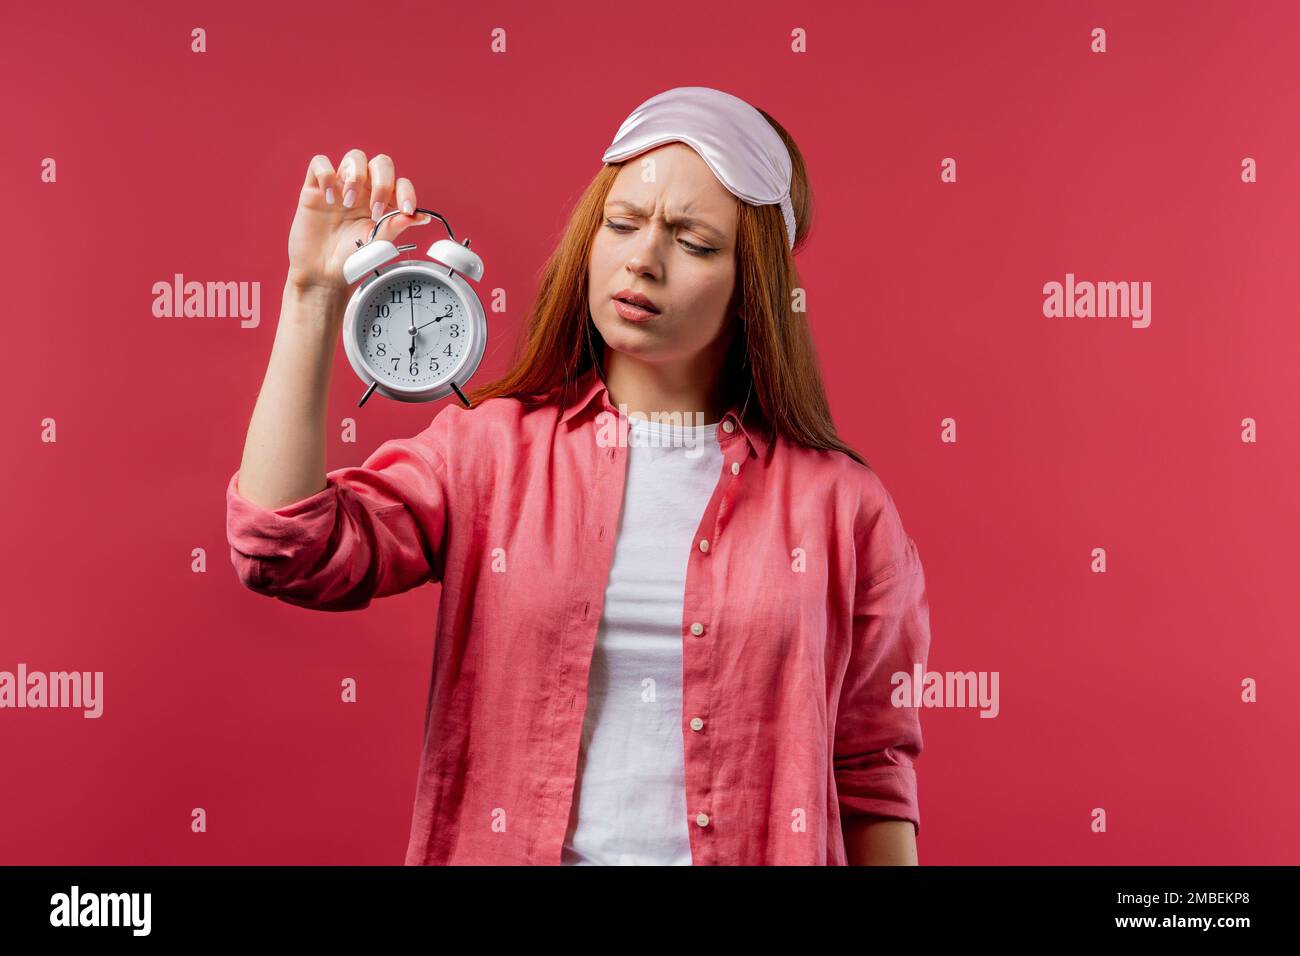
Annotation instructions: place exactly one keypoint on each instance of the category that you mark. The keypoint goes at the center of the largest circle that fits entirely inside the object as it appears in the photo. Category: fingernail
(329, 195)
(376, 211)
(349, 198)
(408, 207)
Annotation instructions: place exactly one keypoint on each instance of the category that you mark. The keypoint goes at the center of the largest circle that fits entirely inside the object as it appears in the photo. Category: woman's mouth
(639, 309)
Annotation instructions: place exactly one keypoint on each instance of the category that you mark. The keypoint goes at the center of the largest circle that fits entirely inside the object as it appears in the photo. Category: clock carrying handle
(473, 274)
(397, 212)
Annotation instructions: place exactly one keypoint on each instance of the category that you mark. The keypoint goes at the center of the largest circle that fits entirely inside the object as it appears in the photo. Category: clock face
(412, 330)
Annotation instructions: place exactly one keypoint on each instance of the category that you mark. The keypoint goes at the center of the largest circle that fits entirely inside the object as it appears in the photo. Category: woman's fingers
(405, 199)
(406, 196)
(354, 177)
(381, 185)
(320, 173)
(357, 182)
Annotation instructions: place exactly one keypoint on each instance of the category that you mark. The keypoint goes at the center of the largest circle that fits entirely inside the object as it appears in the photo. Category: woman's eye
(691, 247)
(697, 250)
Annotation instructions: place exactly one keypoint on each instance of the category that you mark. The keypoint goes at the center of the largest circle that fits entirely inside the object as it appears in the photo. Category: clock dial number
(412, 290)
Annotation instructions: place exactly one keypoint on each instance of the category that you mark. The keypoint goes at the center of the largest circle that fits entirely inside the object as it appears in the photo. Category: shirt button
(697, 628)
(704, 544)
(728, 427)
(697, 724)
(735, 467)
(702, 819)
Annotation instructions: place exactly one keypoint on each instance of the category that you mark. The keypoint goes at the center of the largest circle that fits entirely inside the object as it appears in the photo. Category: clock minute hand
(413, 330)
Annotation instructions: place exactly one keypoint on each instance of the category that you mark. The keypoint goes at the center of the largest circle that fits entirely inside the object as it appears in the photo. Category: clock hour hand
(438, 319)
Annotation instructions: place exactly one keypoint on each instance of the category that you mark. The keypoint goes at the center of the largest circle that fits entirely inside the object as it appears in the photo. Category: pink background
(1119, 690)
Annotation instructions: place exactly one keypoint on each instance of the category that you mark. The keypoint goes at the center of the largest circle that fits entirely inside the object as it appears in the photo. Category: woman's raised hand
(339, 206)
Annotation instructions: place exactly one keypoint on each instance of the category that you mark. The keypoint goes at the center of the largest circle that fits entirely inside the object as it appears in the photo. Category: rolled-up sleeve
(876, 743)
(374, 530)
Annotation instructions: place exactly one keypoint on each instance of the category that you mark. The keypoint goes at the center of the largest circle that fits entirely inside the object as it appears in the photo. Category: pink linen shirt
(804, 596)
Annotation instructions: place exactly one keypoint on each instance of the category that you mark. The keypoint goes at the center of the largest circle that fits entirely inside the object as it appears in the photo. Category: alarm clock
(415, 331)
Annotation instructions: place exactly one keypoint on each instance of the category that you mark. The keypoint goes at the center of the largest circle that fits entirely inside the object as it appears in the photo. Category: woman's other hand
(339, 206)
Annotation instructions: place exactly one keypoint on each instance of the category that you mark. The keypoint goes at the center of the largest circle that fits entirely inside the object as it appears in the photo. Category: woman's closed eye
(691, 247)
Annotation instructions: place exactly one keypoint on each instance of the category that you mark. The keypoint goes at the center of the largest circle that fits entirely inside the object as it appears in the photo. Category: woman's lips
(633, 313)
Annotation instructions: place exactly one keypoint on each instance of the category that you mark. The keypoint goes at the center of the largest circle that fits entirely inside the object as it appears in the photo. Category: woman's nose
(645, 256)
(639, 266)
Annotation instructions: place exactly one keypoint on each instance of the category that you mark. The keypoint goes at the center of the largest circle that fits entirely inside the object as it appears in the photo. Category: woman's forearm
(869, 841)
(284, 452)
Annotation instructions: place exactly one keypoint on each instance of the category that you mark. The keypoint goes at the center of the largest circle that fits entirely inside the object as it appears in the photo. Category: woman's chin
(631, 338)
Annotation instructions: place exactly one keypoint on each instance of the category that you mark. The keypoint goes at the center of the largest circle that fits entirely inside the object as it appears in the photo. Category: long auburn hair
(771, 358)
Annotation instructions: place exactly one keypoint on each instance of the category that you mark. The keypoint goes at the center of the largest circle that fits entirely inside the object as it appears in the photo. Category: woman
(660, 641)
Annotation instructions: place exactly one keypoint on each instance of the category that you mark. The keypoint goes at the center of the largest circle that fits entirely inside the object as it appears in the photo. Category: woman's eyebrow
(688, 221)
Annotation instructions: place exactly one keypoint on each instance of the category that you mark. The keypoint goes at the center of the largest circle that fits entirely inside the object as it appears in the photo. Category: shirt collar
(590, 387)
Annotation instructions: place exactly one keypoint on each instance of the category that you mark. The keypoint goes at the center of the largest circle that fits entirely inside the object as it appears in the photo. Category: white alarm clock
(414, 332)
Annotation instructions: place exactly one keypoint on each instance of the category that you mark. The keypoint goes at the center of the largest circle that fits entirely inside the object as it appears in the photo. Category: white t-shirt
(629, 805)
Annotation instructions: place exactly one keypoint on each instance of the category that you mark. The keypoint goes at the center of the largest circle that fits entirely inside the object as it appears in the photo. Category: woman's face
(672, 239)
